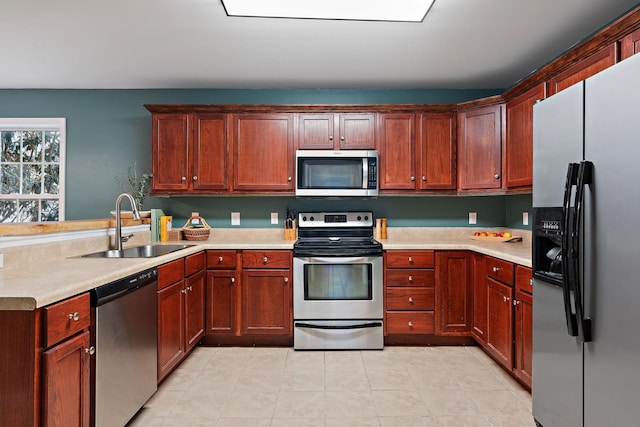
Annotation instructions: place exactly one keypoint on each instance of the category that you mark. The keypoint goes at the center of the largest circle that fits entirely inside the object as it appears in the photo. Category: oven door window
(330, 173)
(333, 282)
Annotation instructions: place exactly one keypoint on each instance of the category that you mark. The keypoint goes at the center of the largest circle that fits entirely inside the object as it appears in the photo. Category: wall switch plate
(473, 218)
(1, 261)
(235, 218)
(525, 218)
(274, 217)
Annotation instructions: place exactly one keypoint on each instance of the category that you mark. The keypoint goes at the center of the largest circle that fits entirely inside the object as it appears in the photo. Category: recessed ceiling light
(353, 10)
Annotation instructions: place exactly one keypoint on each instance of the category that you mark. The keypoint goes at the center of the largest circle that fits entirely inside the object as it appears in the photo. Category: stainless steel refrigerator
(586, 252)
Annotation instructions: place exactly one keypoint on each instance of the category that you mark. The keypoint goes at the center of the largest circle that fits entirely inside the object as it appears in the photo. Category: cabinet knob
(190, 288)
(286, 280)
(220, 259)
(330, 137)
(184, 178)
(411, 278)
(264, 260)
(410, 259)
(410, 324)
(410, 299)
(342, 138)
(496, 176)
(184, 291)
(495, 269)
(424, 178)
(506, 299)
(195, 177)
(75, 316)
(413, 178)
(90, 351)
(531, 282)
(289, 179)
(233, 280)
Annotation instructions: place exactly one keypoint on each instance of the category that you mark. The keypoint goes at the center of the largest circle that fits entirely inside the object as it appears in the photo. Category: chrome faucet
(136, 215)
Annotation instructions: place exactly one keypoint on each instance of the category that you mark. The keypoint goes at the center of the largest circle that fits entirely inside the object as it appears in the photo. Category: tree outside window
(32, 169)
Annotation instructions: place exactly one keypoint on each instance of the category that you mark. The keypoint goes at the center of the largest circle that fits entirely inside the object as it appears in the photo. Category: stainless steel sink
(146, 251)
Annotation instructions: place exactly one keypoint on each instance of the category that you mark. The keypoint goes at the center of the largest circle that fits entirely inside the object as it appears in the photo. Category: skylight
(352, 10)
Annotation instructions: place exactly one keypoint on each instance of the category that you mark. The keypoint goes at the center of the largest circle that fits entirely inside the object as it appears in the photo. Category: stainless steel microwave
(343, 173)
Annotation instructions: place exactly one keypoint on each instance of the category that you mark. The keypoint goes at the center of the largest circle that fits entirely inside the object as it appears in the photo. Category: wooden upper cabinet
(263, 152)
(519, 137)
(480, 148)
(436, 162)
(210, 152)
(630, 45)
(315, 131)
(396, 151)
(170, 140)
(584, 69)
(339, 131)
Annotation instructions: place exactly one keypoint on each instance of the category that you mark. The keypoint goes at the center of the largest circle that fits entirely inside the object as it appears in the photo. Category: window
(32, 169)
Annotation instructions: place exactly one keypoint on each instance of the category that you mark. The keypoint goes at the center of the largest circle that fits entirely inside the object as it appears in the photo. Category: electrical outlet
(525, 218)
(473, 218)
(235, 218)
(274, 217)
(1, 261)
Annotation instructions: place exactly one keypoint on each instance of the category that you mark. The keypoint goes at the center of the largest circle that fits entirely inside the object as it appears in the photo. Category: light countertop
(51, 281)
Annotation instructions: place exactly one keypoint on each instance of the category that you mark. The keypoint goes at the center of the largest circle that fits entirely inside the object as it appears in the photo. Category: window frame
(47, 124)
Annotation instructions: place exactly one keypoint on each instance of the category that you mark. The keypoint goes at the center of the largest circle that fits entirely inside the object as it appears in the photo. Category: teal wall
(109, 129)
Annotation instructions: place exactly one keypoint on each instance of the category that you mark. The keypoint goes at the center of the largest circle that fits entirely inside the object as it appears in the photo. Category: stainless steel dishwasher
(125, 336)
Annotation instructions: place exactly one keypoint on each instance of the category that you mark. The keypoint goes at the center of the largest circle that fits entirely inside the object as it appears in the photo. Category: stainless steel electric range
(338, 283)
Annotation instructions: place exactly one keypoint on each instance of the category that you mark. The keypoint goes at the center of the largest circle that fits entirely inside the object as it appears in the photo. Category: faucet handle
(126, 238)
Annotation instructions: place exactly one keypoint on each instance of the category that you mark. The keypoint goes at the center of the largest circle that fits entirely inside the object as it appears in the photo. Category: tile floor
(399, 386)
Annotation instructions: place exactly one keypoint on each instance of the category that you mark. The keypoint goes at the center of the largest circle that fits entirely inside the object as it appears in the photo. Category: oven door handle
(357, 326)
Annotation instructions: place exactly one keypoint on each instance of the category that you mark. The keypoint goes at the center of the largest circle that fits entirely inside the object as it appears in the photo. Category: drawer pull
(220, 259)
(264, 260)
(75, 316)
(411, 278)
(495, 269)
(410, 299)
(410, 259)
(531, 282)
(410, 324)
(90, 351)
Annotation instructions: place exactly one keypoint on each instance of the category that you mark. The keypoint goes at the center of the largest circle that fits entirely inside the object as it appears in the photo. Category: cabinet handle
(410, 324)
(505, 299)
(424, 178)
(413, 178)
(190, 288)
(184, 291)
(411, 278)
(516, 302)
(184, 178)
(410, 259)
(90, 351)
(496, 176)
(220, 259)
(342, 138)
(289, 179)
(531, 282)
(264, 260)
(410, 299)
(195, 177)
(330, 137)
(233, 280)
(286, 280)
(495, 269)
(75, 316)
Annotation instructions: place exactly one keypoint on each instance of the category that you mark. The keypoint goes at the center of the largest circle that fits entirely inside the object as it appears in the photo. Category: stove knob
(312, 218)
(366, 217)
(359, 218)
(304, 218)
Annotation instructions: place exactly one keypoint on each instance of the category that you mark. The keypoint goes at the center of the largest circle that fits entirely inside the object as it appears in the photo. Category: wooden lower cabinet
(499, 334)
(180, 310)
(66, 383)
(524, 337)
(266, 302)
(222, 298)
(479, 295)
(453, 272)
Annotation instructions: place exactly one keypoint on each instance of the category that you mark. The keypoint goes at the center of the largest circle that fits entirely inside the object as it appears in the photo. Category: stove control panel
(335, 219)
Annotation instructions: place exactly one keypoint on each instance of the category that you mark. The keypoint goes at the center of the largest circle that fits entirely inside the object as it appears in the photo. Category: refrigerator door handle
(585, 177)
(567, 281)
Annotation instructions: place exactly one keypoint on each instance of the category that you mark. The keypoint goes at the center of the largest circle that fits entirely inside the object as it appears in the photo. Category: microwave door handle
(585, 174)
(365, 172)
(567, 280)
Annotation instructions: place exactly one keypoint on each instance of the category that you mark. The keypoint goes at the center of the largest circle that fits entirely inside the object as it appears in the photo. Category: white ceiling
(193, 44)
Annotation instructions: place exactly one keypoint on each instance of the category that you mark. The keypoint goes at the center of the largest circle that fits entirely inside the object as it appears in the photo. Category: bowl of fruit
(496, 236)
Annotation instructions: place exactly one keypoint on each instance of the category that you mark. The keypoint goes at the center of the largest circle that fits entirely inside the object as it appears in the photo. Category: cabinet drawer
(410, 322)
(410, 259)
(499, 270)
(65, 318)
(411, 298)
(224, 260)
(524, 279)
(425, 278)
(170, 273)
(266, 259)
(194, 263)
